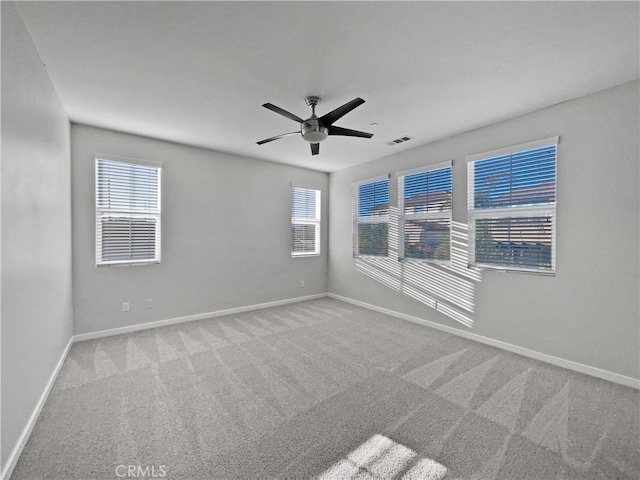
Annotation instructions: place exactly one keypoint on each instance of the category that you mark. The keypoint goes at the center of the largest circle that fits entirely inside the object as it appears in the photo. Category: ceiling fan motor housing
(313, 131)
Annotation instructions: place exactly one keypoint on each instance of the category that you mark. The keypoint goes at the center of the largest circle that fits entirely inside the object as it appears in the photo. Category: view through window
(424, 205)
(371, 217)
(512, 207)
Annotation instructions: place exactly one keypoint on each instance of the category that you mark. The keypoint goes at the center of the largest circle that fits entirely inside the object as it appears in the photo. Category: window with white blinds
(512, 208)
(370, 203)
(127, 212)
(305, 222)
(424, 206)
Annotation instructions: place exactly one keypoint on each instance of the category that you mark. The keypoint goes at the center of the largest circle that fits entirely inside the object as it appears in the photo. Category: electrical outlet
(125, 306)
(301, 283)
(149, 303)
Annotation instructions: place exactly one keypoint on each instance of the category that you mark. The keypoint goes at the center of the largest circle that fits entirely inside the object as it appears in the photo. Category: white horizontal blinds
(305, 221)
(512, 214)
(371, 217)
(424, 200)
(127, 212)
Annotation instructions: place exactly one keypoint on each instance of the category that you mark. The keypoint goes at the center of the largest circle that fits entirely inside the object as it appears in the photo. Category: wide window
(371, 217)
(305, 222)
(127, 212)
(424, 205)
(512, 207)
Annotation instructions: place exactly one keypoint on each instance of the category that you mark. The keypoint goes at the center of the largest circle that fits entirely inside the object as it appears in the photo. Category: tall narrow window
(512, 207)
(305, 222)
(424, 205)
(127, 212)
(371, 217)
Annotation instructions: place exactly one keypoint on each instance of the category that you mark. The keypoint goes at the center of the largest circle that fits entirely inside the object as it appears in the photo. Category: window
(424, 205)
(305, 222)
(371, 217)
(127, 212)
(512, 207)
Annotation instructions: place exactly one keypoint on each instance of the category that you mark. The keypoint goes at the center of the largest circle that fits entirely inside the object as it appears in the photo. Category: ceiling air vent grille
(399, 140)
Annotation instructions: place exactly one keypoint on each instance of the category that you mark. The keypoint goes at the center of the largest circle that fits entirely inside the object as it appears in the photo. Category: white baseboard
(15, 454)
(22, 441)
(190, 318)
(560, 362)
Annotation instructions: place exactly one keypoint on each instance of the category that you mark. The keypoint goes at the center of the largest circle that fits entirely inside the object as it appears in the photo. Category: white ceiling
(198, 72)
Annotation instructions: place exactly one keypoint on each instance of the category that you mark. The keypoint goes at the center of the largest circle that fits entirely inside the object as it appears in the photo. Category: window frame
(513, 211)
(316, 221)
(102, 211)
(377, 219)
(427, 216)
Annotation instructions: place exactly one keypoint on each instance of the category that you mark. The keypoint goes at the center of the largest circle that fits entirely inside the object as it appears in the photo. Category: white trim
(24, 437)
(305, 185)
(115, 158)
(524, 211)
(561, 362)
(22, 441)
(544, 142)
(374, 219)
(372, 179)
(200, 316)
(503, 269)
(543, 357)
(425, 168)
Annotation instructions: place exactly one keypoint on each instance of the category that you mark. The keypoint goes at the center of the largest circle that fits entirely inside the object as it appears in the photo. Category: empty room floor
(324, 389)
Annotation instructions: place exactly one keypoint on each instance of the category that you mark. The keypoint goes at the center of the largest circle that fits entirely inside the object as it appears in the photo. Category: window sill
(128, 264)
(525, 271)
(424, 260)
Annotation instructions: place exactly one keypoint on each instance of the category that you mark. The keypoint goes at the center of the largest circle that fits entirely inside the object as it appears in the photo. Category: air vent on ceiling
(406, 138)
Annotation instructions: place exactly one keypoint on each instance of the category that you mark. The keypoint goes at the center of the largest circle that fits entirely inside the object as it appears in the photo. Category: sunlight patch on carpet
(380, 457)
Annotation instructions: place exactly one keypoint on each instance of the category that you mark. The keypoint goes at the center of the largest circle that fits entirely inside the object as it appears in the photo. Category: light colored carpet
(329, 390)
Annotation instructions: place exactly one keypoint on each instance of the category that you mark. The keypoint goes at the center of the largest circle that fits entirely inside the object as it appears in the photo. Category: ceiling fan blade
(315, 148)
(267, 140)
(283, 112)
(347, 132)
(339, 112)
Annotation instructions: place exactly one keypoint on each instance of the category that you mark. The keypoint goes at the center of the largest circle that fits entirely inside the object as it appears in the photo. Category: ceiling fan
(316, 129)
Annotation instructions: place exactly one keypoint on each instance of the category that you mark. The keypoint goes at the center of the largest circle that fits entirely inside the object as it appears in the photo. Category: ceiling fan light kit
(316, 129)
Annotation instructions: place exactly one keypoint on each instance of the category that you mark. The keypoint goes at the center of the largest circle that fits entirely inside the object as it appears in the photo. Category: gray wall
(588, 313)
(36, 229)
(226, 227)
